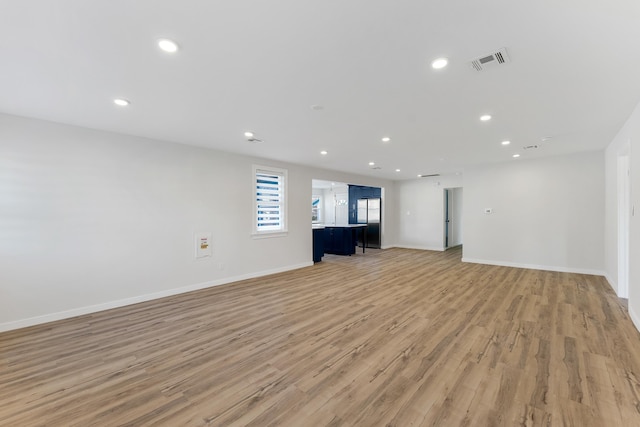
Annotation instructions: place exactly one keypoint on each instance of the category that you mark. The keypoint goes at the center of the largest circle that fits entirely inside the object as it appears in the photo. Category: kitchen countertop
(344, 225)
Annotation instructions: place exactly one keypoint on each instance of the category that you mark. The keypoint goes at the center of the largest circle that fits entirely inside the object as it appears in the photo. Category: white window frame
(282, 229)
(319, 208)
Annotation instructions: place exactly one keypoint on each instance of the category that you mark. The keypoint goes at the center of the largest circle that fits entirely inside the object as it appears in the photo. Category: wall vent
(491, 60)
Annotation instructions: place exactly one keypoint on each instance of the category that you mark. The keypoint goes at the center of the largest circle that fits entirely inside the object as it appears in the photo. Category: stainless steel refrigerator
(368, 212)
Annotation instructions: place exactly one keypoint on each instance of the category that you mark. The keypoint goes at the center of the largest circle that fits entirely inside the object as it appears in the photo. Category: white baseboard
(422, 248)
(52, 317)
(612, 283)
(536, 267)
(634, 318)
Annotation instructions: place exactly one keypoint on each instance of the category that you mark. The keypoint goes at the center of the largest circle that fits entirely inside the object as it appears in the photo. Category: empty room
(336, 213)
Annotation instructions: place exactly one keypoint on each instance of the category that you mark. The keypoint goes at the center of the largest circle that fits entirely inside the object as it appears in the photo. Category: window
(270, 209)
(316, 209)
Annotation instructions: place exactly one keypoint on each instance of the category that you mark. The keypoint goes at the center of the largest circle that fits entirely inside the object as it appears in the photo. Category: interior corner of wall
(612, 282)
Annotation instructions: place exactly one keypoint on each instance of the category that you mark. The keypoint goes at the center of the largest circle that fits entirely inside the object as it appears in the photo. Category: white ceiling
(260, 65)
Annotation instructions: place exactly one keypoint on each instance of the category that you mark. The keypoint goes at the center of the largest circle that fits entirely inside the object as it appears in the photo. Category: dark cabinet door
(339, 241)
(329, 241)
(318, 244)
(344, 243)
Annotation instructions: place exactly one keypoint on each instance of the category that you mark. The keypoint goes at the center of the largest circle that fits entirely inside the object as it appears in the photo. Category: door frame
(451, 221)
(624, 217)
(447, 217)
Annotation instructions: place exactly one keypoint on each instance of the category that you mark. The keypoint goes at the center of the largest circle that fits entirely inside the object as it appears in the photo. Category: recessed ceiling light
(515, 156)
(397, 170)
(121, 102)
(386, 139)
(248, 134)
(439, 63)
(485, 118)
(506, 142)
(546, 138)
(324, 152)
(168, 46)
(372, 163)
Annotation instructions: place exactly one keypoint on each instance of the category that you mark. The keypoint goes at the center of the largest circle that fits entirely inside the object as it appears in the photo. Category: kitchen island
(341, 239)
(318, 242)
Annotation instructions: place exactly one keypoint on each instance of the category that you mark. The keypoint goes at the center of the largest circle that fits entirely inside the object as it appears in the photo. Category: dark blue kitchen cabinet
(318, 244)
(339, 241)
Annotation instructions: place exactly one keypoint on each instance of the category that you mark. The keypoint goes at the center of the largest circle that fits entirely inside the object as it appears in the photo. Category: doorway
(452, 217)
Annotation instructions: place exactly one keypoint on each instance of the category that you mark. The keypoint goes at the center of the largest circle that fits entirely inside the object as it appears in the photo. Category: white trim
(623, 194)
(52, 317)
(634, 318)
(536, 267)
(284, 218)
(269, 234)
(612, 282)
(422, 248)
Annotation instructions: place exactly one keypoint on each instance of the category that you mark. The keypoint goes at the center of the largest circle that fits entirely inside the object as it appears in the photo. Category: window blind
(269, 186)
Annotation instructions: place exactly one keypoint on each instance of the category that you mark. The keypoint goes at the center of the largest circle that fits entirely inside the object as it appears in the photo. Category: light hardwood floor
(394, 337)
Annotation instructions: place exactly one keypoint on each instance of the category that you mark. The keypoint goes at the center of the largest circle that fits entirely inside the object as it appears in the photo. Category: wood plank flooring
(389, 338)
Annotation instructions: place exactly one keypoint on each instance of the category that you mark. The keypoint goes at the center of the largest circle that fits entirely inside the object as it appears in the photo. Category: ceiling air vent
(428, 175)
(529, 147)
(499, 57)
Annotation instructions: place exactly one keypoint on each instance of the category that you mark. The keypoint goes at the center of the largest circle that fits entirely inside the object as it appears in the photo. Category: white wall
(547, 213)
(420, 211)
(619, 146)
(341, 193)
(91, 220)
(628, 139)
(328, 213)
